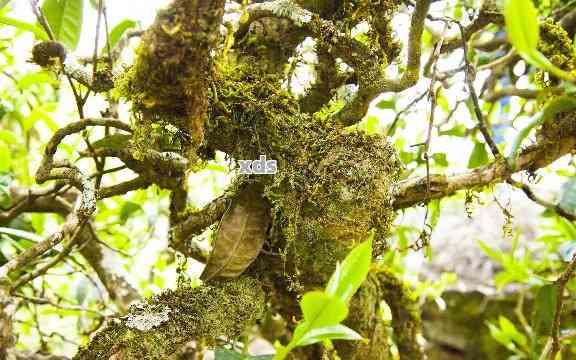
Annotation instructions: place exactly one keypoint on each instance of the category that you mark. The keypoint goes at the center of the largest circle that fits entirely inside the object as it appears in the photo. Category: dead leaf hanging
(240, 235)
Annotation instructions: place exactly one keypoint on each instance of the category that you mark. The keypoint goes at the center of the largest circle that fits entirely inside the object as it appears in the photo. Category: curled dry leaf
(240, 235)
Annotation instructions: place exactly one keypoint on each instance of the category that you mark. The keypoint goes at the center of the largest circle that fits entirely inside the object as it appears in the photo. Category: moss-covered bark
(159, 327)
(172, 72)
(331, 188)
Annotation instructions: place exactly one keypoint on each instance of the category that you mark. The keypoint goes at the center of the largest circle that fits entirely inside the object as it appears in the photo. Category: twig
(392, 128)
(546, 204)
(561, 283)
(43, 269)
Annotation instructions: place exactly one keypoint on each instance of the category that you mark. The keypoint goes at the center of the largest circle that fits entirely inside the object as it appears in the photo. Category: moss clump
(406, 320)
(331, 188)
(379, 15)
(366, 318)
(172, 71)
(563, 125)
(556, 45)
(156, 329)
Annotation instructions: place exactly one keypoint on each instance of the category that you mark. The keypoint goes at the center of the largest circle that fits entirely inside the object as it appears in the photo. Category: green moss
(366, 318)
(331, 188)
(556, 45)
(172, 72)
(406, 320)
(157, 328)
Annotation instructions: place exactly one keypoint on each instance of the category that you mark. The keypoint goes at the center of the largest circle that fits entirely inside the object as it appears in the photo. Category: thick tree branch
(157, 329)
(413, 191)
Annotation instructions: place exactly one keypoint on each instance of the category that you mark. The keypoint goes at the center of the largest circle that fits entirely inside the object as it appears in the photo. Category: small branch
(74, 239)
(489, 14)
(523, 93)
(44, 301)
(366, 61)
(41, 18)
(470, 75)
(194, 225)
(561, 283)
(123, 188)
(546, 204)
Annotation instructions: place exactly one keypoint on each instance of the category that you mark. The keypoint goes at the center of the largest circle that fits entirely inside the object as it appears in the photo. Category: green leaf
(521, 19)
(225, 354)
(321, 310)
(351, 273)
(65, 20)
(536, 58)
(336, 332)
(114, 141)
(544, 309)
(36, 78)
(457, 130)
(119, 30)
(511, 331)
(36, 30)
(6, 157)
(478, 157)
(127, 210)
(440, 159)
(386, 104)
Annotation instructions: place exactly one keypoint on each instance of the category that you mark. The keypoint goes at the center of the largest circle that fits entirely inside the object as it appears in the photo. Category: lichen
(288, 9)
(149, 318)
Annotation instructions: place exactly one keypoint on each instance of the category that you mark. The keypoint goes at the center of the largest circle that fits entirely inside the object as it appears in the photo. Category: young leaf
(544, 309)
(225, 354)
(321, 310)
(336, 332)
(478, 157)
(521, 19)
(351, 273)
(119, 30)
(240, 235)
(65, 20)
(38, 32)
(114, 141)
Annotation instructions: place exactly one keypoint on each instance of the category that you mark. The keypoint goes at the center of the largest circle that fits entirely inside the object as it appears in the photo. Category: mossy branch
(368, 62)
(156, 329)
(414, 190)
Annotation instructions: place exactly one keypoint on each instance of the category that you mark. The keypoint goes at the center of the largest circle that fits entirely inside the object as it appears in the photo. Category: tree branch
(156, 329)
(413, 190)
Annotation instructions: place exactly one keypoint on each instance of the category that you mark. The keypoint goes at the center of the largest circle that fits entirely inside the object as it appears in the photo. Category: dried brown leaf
(240, 235)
